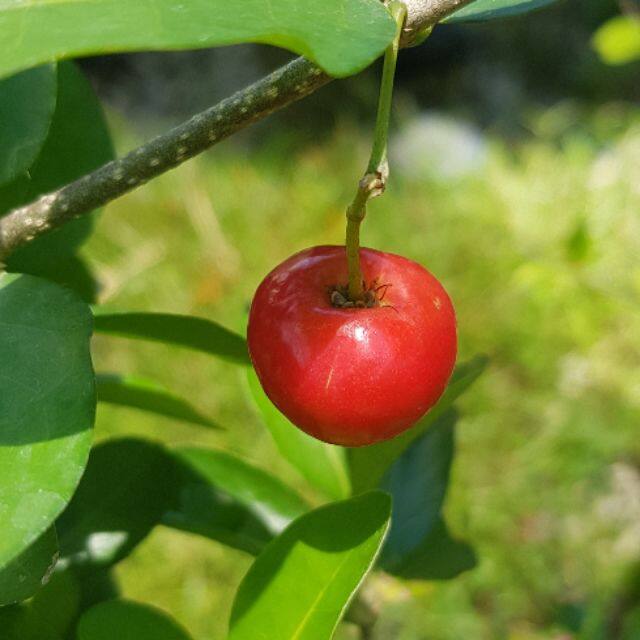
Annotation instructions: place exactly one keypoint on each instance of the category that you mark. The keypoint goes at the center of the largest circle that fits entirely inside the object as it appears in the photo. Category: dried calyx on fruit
(373, 296)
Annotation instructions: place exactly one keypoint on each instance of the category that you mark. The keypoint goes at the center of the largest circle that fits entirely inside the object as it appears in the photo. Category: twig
(284, 86)
(423, 14)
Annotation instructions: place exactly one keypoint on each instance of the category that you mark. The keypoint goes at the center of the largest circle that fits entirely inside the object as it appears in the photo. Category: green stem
(374, 181)
(378, 160)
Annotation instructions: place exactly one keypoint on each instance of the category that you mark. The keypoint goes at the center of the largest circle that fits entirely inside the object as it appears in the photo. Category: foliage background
(516, 181)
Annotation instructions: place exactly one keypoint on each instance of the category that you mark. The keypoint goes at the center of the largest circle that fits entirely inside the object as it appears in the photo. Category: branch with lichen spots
(284, 86)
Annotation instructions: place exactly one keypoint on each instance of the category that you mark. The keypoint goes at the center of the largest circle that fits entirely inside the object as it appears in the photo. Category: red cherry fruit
(352, 376)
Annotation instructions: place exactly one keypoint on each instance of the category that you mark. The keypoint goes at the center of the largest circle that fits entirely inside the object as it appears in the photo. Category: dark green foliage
(184, 331)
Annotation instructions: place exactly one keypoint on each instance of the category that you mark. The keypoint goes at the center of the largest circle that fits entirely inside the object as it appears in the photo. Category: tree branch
(284, 86)
(422, 14)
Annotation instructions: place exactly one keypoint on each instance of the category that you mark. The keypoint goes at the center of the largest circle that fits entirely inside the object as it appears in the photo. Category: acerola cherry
(344, 374)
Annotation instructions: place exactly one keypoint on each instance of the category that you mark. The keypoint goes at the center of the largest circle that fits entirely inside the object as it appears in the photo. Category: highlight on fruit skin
(352, 373)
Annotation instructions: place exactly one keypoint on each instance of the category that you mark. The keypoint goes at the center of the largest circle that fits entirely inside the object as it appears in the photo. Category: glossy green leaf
(323, 465)
(301, 584)
(27, 102)
(127, 620)
(138, 393)
(47, 406)
(417, 482)
(24, 575)
(226, 499)
(126, 488)
(367, 465)
(481, 10)
(438, 557)
(183, 331)
(78, 142)
(617, 41)
(342, 36)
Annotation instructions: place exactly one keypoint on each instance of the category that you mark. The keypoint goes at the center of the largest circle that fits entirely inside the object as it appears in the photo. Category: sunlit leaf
(301, 584)
(617, 41)
(343, 36)
(323, 465)
(139, 393)
(47, 406)
(199, 334)
(227, 499)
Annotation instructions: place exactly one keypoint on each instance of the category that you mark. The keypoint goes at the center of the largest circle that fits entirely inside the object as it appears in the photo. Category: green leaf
(323, 465)
(617, 41)
(138, 393)
(17, 624)
(126, 620)
(301, 584)
(48, 615)
(77, 143)
(183, 331)
(417, 482)
(419, 546)
(47, 406)
(73, 272)
(24, 575)
(481, 10)
(127, 487)
(226, 499)
(27, 102)
(367, 465)
(56, 606)
(342, 36)
(438, 557)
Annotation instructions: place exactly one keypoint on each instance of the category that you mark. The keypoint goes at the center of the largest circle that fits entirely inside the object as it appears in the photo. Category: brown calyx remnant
(373, 296)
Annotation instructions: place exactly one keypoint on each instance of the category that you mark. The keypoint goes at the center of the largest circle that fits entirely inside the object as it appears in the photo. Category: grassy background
(539, 251)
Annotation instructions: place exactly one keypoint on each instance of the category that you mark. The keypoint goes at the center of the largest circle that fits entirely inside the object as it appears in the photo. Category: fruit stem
(374, 181)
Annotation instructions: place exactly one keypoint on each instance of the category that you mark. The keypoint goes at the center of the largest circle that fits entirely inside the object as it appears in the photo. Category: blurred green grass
(539, 251)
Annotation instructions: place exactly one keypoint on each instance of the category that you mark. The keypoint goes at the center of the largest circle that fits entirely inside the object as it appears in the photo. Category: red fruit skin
(352, 377)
